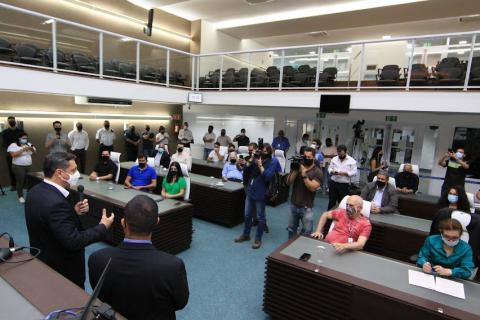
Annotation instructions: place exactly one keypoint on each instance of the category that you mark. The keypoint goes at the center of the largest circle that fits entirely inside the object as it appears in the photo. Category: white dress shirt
(185, 135)
(24, 159)
(348, 165)
(79, 139)
(105, 136)
(377, 199)
(162, 137)
(64, 191)
(213, 156)
(184, 158)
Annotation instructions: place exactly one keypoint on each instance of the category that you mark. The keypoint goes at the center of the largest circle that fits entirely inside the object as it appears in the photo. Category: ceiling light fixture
(86, 114)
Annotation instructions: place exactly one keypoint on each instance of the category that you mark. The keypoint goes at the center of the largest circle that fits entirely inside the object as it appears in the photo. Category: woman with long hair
(375, 163)
(174, 184)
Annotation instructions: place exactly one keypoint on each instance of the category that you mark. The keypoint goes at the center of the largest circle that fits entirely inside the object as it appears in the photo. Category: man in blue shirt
(259, 169)
(280, 142)
(232, 170)
(319, 159)
(141, 176)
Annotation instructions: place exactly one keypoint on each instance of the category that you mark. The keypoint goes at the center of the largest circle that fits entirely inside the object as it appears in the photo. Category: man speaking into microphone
(53, 224)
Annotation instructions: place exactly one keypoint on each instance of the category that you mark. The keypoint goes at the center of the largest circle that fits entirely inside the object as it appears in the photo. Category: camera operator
(306, 178)
(259, 169)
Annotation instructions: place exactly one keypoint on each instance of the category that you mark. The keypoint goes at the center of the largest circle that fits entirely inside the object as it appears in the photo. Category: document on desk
(438, 284)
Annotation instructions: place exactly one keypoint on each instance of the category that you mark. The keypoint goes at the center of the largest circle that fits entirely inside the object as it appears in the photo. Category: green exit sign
(321, 115)
(391, 118)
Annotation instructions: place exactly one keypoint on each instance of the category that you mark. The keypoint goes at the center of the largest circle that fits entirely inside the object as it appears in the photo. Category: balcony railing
(441, 61)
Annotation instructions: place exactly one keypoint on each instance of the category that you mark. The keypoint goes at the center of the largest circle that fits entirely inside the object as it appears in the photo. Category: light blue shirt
(377, 199)
(230, 171)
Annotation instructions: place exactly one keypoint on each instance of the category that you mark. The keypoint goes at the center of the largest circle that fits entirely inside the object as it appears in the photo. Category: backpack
(275, 186)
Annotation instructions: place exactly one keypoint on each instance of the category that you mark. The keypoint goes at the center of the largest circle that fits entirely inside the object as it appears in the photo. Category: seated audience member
(182, 156)
(105, 168)
(232, 170)
(446, 254)
(174, 184)
(351, 230)
(162, 158)
(143, 282)
(141, 176)
(215, 154)
(406, 181)
(231, 148)
(455, 198)
(382, 194)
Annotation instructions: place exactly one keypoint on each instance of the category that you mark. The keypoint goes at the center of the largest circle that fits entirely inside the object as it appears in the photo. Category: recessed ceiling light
(386, 37)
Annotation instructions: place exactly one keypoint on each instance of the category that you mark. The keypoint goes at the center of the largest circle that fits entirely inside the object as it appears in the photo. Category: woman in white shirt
(21, 152)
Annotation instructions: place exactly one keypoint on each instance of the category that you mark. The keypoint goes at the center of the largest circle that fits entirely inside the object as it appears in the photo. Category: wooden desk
(354, 285)
(397, 236)
(223, 205)
(207, 168)
(422, 206)
(174, 232)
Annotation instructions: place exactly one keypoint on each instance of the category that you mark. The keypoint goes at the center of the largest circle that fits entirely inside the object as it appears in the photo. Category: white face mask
(73, 180)
(450, 243)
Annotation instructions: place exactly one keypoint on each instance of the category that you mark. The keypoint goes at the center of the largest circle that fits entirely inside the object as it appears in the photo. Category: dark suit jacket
(389, 199)
(54, 227)
(143, 283)
(165, 160)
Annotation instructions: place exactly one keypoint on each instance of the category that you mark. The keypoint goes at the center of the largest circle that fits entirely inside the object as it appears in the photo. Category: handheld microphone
(80, 189)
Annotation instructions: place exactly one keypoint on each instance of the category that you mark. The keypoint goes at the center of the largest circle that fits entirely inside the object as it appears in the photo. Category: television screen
(335, 103)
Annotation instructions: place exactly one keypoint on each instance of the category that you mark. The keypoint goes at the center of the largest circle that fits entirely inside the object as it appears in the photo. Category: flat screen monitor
(335, 103)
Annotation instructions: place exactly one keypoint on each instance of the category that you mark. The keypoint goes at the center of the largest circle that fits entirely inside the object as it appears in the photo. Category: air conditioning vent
(257, 2)
(471, 18)
(317, 34)
(103, 101)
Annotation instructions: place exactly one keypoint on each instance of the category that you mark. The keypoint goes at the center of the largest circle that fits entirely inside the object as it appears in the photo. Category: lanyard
(351, 227)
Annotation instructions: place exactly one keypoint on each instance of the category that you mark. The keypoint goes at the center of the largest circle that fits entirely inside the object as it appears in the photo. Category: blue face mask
(450, 243)
(160, 150)
(452, 198)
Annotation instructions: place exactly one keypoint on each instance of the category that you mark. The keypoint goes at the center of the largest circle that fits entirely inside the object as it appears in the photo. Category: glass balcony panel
(180, 69)
(24, 38)
(340, 66)
(119, 57)
(209, 72)
(300, 68)
(265, 69)
(235, 70)
(474, 79)
(153, 64)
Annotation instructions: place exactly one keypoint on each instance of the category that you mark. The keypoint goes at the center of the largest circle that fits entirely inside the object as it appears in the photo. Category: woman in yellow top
(174, 184)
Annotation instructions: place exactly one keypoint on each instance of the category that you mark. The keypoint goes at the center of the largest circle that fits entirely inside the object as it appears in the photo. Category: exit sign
(391, 118)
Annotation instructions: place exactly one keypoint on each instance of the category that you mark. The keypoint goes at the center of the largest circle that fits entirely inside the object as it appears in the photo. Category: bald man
(351, 229)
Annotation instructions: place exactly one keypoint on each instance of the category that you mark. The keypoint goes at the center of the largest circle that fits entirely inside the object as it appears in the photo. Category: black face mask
(174, 173)
(142, 165)
(342, 157)
(210, 131)
(107, 127)
(180, 149)
(105, 158)
(147, 128)
(329, 144)
(132, 129)
(58, 129)
(12, 123)
(232, 161)
(380, 184)
(308, 162)
(79, 128)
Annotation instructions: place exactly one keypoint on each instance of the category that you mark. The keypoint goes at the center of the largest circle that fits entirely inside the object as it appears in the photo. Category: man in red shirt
(351, 230)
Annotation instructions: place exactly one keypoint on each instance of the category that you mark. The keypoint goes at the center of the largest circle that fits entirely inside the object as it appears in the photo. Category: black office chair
(62, 62)
(299, 79)
(228, 80)
(147, 74)
(449, 71)
(419, 74)
(327, 77)
(273, 76)
(241, 78)
(27, 53)
(127, 70)
(388, 75)
(82, 63)
(6, 50)
(258, 78)
(288, 72)
(110, 68)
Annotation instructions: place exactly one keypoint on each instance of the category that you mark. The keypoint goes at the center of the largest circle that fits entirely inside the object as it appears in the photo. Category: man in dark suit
(53, 224)
(142, 283)
(383, 195)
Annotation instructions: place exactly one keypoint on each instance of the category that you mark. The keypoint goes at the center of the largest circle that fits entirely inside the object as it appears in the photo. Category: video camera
(296, 161)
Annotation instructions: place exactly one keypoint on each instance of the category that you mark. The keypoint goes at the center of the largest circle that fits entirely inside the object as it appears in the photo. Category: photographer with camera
(306, 178)
(457, 168)
(259, 169)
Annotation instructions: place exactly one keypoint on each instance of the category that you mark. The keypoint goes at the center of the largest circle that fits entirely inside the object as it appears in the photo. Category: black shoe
(266, 229)
(255, 222)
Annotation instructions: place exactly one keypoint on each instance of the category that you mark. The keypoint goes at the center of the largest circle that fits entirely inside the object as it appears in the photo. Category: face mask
(174, 172)
(210, 131)
(314, 146)
(459, 155)
(73, 178)
(308, 162)
(160, 150)
(180, 149)
(58, 129)
(350, 211)
(342, 157)
(452, 198)
(233, 161)
(23, 141)
(380, 184)
(105, 158)
(142, 165)
(450, 243)
(12, 123)
(107, 127)
(329, 144)
(132, 129)
(79, 128)
(185, 127)
(147, 128)
(223, 134)
(242, 134)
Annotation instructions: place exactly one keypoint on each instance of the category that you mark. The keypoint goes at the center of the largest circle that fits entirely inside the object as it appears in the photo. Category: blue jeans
(260, 209)
(298, 214)
(206, 152)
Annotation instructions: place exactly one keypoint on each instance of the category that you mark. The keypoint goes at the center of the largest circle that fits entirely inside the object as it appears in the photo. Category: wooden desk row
(353, 285)
(174, 232)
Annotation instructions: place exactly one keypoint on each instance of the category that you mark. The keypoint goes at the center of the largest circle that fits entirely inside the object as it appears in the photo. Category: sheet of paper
(450, 287)
(421, 279)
